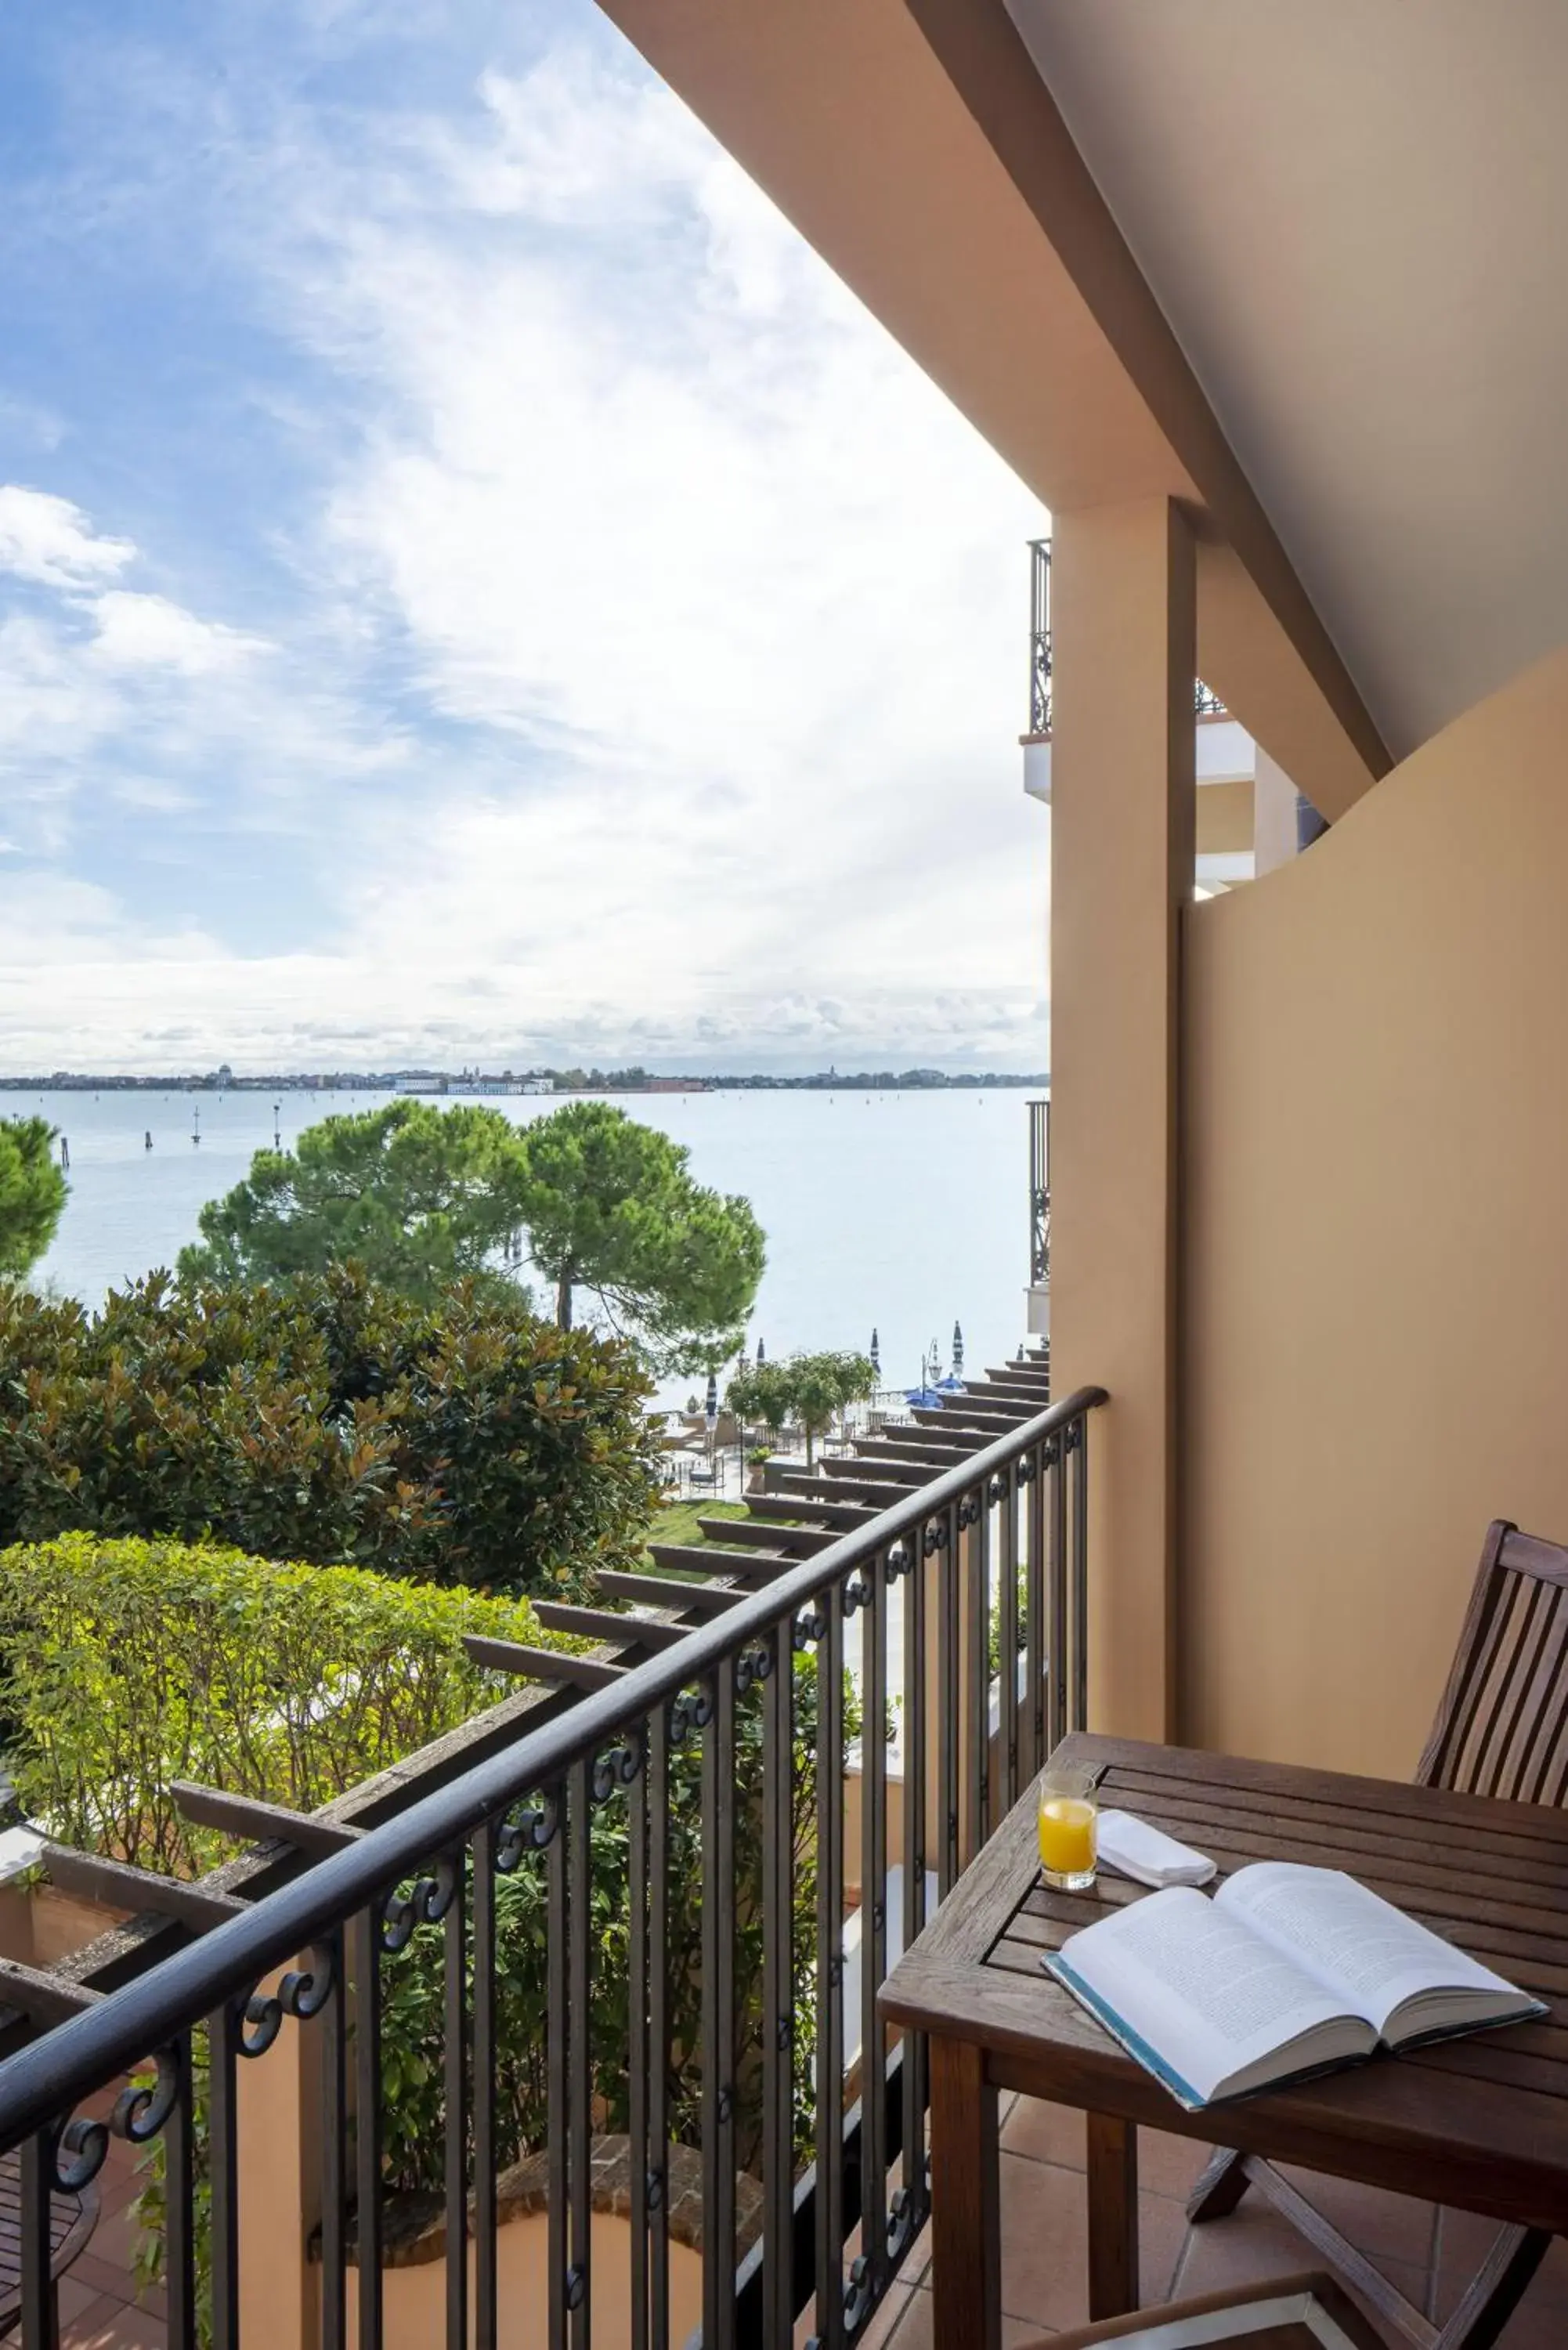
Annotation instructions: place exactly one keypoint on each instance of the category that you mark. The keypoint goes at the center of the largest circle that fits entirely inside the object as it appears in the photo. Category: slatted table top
(72, 2218)
(1481, 2123)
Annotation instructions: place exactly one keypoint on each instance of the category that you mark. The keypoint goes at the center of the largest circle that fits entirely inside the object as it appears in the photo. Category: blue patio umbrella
(925, 1398)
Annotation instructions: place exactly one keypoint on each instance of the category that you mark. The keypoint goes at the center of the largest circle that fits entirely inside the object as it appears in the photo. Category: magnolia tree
(806, 1391)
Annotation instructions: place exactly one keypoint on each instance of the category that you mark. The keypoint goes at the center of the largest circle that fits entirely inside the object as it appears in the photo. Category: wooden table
(1479, 2123)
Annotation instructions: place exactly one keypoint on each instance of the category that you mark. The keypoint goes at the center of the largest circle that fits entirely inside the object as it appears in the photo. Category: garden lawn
(678, 1523)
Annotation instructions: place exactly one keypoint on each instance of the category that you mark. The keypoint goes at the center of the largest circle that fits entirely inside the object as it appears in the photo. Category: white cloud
(50, 542)
(149, 632)
(645, 489)
(651, 688)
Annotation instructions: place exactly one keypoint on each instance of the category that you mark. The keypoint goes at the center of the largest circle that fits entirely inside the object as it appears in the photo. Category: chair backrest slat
(1502, 1726)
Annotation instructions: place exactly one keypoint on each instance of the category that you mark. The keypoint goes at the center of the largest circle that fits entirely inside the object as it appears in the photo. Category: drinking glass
(1069, 1827)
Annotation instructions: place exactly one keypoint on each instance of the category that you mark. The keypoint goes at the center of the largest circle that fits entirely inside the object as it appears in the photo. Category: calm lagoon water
(902, 1211)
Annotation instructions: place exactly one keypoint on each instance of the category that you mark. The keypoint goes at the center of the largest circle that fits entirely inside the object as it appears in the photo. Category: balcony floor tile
(1430, 2256)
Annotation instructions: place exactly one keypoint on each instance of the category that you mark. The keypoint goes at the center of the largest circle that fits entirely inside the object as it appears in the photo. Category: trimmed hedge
(329, 1420)
(130, 1664)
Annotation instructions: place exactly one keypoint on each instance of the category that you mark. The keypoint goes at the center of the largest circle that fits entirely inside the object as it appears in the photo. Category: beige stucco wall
(1374, 1164)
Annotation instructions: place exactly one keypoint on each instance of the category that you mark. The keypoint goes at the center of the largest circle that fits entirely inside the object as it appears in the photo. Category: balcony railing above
(1205, 703)
(1039, 636)
(947, 1566)
(1040, 1194)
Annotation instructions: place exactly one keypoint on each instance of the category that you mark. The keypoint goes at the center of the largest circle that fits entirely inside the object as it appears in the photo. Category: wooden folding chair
(1295, 2313)
(1501, 1729)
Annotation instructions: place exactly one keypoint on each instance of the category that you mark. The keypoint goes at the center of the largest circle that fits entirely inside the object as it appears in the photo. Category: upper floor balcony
(1249, 817)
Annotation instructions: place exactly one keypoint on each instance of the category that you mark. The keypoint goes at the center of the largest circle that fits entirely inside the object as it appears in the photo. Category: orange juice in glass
(1069, 1823)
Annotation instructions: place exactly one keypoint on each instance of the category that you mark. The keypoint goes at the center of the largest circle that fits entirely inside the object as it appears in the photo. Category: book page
(1208, 1995)
(1358, 1946)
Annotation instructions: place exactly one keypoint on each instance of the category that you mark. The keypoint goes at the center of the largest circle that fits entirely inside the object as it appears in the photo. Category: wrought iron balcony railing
(1205, 703)
(1039, 636)
(1040, 1194)
(959, 1598)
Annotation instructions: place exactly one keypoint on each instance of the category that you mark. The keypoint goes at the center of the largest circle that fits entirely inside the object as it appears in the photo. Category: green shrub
(415, 2116)
(414, 2037)
(130, 1664)
(329, 1420)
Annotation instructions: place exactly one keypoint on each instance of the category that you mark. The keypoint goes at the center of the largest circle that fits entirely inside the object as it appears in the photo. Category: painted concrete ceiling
(1355, 215)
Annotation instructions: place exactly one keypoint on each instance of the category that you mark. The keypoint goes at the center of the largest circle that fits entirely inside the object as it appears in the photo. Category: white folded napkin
(1134, 1849)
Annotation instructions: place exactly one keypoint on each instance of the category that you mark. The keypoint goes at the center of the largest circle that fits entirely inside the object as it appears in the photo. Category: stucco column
(1122, 820)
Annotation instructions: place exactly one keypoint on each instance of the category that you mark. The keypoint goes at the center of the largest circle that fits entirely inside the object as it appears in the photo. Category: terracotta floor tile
(1162, 2241)
(124, 2330)
(880, 2331)
(1044, 2248)
(104, 2276)
(917, 2260)
(1167, 2165)
(1381, 2225)
(1044, 2133)
(86, 2324)
(1541, 2317)
(915, 2327)
(1045, 2266)
(110, 2326)
(1252, 2242)
(117, 2190)
(116, 2237)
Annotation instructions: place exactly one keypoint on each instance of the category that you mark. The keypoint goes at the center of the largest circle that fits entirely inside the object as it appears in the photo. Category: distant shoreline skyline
(445, 1084)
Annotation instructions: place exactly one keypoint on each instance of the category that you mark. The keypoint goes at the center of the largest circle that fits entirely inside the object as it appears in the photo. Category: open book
(1286, 1971)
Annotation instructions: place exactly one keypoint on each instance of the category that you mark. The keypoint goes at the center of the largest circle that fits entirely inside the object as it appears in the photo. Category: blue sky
(473, 585)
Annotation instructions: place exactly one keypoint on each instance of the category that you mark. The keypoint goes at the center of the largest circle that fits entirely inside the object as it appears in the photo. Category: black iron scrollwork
(1026, 1471)
(899, 1561)
(692, 1711)
(751, 1666)
(529, 1830)
(86, 2143)
(303, 1992)
(936, 1537)
(426, 1903)
(809, 1626)
(997, 1489)
(141, 2110)
(858, 1593)
(903, 2218)
(859, 2293)
(969, 1511)
(617, 1768)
